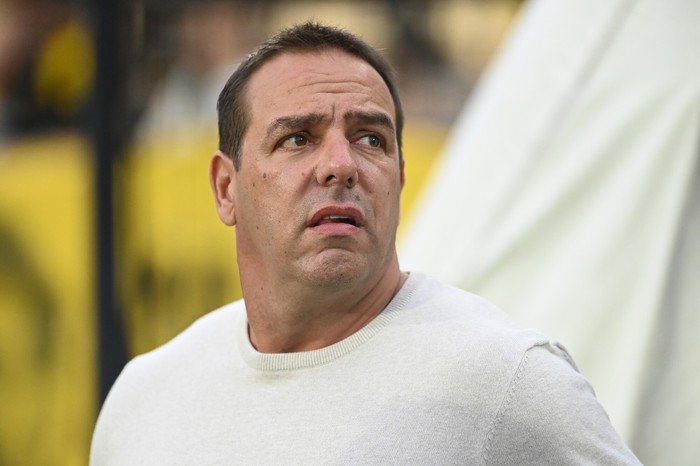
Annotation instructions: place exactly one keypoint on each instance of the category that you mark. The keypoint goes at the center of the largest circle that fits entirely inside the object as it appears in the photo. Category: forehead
(294, 82)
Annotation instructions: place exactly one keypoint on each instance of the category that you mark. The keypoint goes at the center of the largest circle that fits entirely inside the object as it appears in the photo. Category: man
(336, 356)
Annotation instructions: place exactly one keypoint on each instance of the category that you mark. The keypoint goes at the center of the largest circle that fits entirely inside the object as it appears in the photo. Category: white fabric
(562, 193)
(439, 377)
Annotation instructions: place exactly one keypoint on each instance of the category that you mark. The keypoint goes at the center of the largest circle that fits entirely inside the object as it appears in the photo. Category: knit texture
(439, 377)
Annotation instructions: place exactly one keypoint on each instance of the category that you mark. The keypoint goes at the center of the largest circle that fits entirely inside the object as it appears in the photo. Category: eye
(371, 140)
(295, 141)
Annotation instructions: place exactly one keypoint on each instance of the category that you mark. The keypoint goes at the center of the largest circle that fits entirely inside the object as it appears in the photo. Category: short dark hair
(232, 107)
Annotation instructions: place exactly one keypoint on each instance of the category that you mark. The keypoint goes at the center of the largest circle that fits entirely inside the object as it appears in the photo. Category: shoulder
(538, 407)
(455, 318)
(549, 414)
(457, 338)
(161, 382)
(194, 354)
(427, 293)
(202, 337)
(472, 331)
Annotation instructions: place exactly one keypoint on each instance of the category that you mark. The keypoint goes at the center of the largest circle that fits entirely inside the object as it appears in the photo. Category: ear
(222, 177)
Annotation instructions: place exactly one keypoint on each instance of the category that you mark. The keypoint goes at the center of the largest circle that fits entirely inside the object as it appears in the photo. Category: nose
(337, 164)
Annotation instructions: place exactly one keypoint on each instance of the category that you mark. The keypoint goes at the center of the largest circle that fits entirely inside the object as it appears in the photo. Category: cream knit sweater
(439, 377)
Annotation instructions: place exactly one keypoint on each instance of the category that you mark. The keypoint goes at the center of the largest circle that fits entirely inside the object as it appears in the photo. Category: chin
(339, 272)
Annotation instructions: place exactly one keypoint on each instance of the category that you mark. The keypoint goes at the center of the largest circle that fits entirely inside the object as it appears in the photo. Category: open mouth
(337, 219)
(337, 215)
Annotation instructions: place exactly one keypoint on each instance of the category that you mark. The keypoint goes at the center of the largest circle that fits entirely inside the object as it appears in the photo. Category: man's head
(234, 107)
(314, 191)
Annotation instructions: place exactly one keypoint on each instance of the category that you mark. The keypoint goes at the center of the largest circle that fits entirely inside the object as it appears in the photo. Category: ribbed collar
(270, 362)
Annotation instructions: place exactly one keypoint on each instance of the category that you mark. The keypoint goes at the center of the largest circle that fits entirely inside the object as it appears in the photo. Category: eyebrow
(371, 118)
(285, 124)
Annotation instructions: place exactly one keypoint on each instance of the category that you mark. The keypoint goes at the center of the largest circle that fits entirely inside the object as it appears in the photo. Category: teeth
(338, 218)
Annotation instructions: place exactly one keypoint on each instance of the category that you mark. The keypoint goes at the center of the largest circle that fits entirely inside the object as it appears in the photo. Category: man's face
(316, 198)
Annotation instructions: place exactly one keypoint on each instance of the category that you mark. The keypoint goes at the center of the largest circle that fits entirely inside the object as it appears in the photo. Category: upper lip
(338, 211)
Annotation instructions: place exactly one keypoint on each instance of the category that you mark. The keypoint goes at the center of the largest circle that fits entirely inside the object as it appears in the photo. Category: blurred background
(552, 166)
(109, 242)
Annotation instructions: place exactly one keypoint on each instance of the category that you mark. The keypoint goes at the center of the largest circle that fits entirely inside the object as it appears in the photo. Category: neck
(284, 319)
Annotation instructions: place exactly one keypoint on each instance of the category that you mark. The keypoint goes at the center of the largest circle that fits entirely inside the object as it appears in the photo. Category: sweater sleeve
(550, 416)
